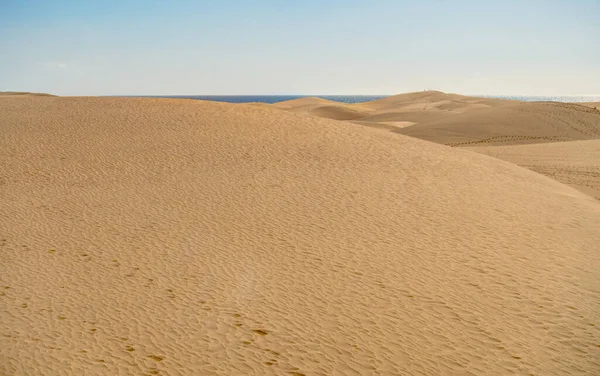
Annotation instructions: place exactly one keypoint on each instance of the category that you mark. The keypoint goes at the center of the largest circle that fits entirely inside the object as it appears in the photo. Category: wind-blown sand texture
(592, 104)
(457, 120)
(180, 237)
(576, 163)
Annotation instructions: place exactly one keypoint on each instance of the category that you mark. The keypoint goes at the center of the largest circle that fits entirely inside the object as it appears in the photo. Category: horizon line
(337, 95)
(299, 95)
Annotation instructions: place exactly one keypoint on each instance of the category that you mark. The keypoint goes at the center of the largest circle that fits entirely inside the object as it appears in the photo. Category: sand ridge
(157, 236)
(471, 122)
(23, 94)
(409, 107)
(458, 120)
(521, 123)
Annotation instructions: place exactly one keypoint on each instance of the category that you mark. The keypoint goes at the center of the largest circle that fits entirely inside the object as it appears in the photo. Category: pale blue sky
(152, 47)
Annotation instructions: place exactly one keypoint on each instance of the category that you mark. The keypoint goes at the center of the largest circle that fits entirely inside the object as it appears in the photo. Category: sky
(272, 47)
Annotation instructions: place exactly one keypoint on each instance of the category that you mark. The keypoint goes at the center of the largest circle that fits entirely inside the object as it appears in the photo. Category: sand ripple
(174, 237)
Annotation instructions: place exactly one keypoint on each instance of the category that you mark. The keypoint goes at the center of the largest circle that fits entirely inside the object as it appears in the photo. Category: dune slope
(409, 107)
(594, 105)
(458, 120)
(576, 163)
(155, 236)
(322, 108)
(23, 94)
(520, 123)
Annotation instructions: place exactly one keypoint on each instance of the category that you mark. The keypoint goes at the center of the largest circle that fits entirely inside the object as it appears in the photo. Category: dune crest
(458, 120)
(24, 94)
(157, 236)
(398, 108)
(487, 125)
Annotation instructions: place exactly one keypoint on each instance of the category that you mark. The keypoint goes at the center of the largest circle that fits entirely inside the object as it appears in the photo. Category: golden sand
(487, 125)
(575, 163)
(180, 237)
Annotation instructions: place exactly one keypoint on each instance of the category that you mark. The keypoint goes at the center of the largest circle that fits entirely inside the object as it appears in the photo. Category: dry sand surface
(576, 163)
(179, 237)
(592, 104)
(407, 108)
(458, 120)
(471, 122)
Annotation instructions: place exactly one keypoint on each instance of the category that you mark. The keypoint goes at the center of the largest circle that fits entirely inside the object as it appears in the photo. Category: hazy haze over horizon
(316, 47)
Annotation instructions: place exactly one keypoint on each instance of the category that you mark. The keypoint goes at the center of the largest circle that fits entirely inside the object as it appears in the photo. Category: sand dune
(306, 102)
(458, 120)
(595, 105)
(411, 107)
(323, 108)
(23, 94)
(576, 163)
(156, 236)
(520, 123)
(434, 100)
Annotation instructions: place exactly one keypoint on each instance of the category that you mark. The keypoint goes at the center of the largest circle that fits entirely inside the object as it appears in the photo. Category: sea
(362, 98)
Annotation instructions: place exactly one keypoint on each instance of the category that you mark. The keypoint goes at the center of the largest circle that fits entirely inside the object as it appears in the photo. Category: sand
(591, 104)
(576, 163)
(23, 94)
(180, 237)
(458, 120)
(519, 123)
(485, 124)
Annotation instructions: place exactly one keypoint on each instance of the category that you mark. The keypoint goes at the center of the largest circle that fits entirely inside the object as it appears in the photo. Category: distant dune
(158, 236)
(519, 123)
(411, 107)
(23, 93)
(458, 120)
(322, 108)
(404, 107)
